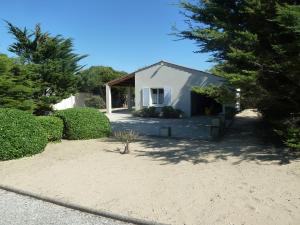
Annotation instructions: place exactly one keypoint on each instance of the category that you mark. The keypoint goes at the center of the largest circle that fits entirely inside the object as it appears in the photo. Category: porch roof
(127, 81)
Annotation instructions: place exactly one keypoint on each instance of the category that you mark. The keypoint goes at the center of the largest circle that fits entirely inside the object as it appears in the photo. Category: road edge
(77, 207)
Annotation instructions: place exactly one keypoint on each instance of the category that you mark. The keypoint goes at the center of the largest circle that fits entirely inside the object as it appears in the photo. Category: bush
(20, 134)
(170, 112)
(126, 137)
(53, 127)
(95, 102)
(84, 123)
(147, 112)
(293, 138)
(165, 112)
(289, 131)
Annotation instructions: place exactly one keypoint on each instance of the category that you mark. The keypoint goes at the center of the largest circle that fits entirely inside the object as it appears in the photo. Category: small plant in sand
(126, 137)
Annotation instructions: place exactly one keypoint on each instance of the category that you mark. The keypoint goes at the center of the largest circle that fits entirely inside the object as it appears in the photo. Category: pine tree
(256, 46)
(16, 90)
(52, 63)
(93, 79)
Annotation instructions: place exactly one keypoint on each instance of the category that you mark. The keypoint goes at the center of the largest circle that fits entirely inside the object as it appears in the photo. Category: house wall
(178, 79)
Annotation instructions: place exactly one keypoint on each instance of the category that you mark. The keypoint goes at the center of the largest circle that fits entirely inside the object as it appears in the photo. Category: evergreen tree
(16, 89)
(52, 63)
(93, 79)
(256, 45)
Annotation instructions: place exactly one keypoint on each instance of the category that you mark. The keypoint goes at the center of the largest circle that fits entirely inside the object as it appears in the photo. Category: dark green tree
(256, 45)
(52, 63)
(93, 81)
(16, 88)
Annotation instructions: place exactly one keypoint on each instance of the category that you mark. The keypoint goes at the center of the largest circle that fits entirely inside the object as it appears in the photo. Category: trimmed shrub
(53, 127)
(170, 112)
(147, 112)
(164, 112)
(84, 123)
(20, 134)
(95, 102)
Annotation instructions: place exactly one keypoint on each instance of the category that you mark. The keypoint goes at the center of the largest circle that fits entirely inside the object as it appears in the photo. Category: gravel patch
(19, 210)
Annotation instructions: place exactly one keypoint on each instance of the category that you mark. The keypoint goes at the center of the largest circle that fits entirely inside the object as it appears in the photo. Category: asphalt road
(20, 210)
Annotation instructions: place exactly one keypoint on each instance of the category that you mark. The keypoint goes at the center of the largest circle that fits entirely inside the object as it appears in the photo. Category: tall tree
(94, 78)
(16, 89)
(52, 63)
(256, 45)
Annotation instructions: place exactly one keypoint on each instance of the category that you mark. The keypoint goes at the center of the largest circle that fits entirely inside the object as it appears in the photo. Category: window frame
(157, 96)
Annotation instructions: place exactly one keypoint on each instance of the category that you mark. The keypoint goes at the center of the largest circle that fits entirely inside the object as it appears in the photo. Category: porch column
(108, 99)
(129, 98)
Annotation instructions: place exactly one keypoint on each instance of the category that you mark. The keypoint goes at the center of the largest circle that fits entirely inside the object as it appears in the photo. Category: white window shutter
(167, 96)
(146, 97)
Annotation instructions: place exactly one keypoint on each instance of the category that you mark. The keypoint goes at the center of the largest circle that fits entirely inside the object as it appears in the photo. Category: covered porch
(126, 81)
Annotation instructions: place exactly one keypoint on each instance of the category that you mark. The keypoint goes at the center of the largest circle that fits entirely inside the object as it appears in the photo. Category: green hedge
(53, 127)
(164, 112)
(20, 134)
(147, 112)
(170, 112)
(84, 123)
(95, 102)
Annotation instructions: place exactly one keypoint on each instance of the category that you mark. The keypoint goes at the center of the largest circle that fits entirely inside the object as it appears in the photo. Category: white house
(166, 84)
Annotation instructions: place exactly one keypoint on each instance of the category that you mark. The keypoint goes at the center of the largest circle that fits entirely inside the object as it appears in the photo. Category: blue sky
(123, 34)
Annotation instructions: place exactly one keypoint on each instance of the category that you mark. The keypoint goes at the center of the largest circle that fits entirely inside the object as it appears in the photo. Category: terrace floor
(191, 128)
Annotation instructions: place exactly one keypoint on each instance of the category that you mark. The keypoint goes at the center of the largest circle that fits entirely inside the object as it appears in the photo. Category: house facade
(165, 84)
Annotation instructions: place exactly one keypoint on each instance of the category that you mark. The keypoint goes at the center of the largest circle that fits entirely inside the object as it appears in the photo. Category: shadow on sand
(243, 140)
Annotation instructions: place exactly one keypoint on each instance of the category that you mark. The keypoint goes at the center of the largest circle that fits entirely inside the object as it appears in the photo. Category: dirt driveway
(239, 180)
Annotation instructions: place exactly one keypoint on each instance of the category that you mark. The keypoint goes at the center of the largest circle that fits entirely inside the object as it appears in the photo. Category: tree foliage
(16, 88)
(256, 45)
(51, 62)
(93, 80)
(95, 101)
(222, 94)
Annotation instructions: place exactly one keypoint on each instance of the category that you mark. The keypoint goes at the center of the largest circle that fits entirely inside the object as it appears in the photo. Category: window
(157, 95)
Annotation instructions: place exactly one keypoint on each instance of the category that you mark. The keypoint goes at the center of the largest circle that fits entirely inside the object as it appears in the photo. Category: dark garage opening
(201, 105)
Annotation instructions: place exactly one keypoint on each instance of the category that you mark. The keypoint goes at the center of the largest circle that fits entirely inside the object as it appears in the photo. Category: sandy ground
(239, 180)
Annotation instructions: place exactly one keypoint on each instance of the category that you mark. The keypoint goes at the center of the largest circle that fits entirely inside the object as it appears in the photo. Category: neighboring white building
(166, 84)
